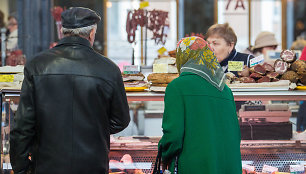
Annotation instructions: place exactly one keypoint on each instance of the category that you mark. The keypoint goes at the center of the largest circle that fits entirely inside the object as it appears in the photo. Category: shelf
(238, 96)
(296, 95)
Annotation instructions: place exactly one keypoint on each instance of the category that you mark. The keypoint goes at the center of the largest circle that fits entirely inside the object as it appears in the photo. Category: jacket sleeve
(173, 124)
(23, 132)
(120, 117)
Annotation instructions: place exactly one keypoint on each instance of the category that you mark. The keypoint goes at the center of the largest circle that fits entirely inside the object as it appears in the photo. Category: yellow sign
(235, 65)
(160, 68)
(6, 78)
(162, 50)
(143, 4)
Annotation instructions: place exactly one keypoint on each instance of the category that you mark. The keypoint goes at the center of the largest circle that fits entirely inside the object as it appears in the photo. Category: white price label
(257, 60)
(131, 69)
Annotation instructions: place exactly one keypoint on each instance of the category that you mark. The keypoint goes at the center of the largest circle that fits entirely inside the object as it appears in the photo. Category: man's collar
(74, 40)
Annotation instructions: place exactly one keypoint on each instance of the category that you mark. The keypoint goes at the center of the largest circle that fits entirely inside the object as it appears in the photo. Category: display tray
(282, 85)
(301, 88)
(135, 89)
(254, 89)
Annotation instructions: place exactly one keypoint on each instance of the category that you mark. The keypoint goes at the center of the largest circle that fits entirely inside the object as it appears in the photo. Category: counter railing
(238, 96)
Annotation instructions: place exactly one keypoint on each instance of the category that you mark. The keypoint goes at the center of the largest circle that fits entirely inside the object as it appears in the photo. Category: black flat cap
(78, 17)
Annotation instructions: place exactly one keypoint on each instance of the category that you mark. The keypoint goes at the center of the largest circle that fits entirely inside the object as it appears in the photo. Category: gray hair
(84, 31)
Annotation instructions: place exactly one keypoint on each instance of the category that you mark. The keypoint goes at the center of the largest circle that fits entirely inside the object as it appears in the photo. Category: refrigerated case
(143, 149)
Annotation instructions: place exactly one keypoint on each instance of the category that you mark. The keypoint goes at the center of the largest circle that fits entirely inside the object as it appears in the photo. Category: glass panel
(266, 16)
(198, 16)
(9, 108)
(118, 48)
(146, 119)
(299, 19)
(236, 13)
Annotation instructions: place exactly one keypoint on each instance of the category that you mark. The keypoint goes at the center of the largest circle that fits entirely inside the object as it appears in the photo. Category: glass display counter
(136, 154)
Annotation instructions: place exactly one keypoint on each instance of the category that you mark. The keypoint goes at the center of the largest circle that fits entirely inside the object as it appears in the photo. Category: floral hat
(194, 55)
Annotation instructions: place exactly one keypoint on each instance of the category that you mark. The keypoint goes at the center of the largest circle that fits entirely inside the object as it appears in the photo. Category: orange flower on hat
(198, 44)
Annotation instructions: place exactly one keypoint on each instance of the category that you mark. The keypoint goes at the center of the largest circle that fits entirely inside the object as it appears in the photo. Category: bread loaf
(161, 77)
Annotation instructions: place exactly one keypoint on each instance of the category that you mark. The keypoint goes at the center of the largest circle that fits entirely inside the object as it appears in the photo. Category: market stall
(143, 150)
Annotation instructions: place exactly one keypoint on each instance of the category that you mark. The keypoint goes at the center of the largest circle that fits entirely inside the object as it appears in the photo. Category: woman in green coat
(200, 124)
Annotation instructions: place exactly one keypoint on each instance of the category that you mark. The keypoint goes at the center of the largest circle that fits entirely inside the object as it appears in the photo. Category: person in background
(72, 99)
(195, 127)
(298, 45)
(222, 40)
(264, 42)
(12, 39)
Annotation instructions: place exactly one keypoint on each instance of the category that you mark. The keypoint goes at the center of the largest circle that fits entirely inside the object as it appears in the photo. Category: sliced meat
(275, 80)
(288, 56)
(135, 84)
(263, 79)
(272, 75)
(280, 66)
(268, 67)
(245, 72)
(255, 75)
(258, 69)
(246, 80)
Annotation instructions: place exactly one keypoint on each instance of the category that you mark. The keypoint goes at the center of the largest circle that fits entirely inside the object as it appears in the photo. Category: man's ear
(92, 33)
(92, 36)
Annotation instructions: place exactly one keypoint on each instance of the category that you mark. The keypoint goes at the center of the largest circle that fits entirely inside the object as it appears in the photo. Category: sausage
(280, 66)
(288, 56)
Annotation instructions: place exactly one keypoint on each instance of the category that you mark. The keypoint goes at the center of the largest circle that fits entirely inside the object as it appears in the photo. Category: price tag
(143, 4)
(131, 69)
(269, 169)
(257, 60)
(162, 50)
(160, 68)
(297, 169)
(6, 78)
(235, 65)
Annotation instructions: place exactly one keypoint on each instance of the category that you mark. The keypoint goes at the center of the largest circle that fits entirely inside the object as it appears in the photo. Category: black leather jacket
(72, 99)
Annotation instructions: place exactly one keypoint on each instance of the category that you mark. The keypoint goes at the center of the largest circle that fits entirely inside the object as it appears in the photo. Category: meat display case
(143, 150)
(238, 96)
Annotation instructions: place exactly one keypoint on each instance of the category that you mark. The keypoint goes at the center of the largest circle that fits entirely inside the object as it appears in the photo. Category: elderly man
(72, 99)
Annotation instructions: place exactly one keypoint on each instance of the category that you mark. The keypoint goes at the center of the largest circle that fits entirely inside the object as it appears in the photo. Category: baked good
(161, 77)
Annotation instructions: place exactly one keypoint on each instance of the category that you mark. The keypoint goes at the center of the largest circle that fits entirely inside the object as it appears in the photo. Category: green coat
(200, 124)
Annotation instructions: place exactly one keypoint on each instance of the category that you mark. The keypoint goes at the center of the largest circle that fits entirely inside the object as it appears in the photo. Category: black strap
(156, 169)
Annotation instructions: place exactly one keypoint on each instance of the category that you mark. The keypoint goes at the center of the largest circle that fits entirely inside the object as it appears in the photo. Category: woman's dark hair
(224, 31)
